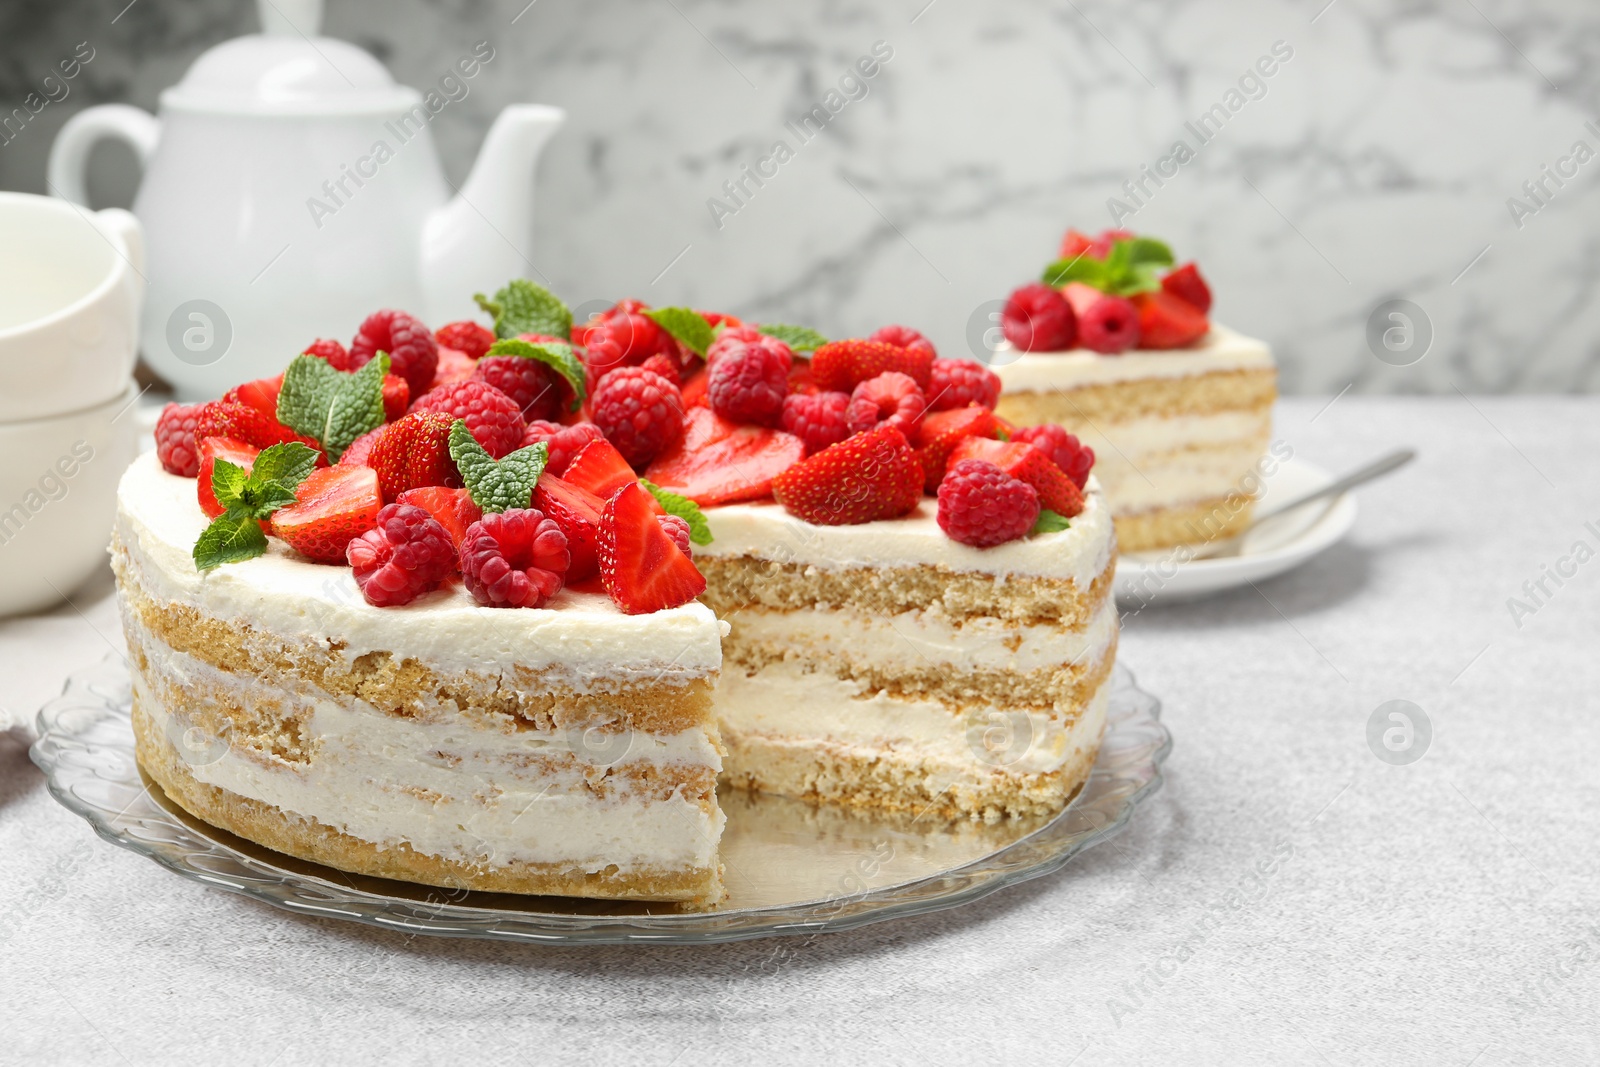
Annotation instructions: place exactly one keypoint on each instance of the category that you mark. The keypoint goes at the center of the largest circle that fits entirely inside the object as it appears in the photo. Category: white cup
(71, 285)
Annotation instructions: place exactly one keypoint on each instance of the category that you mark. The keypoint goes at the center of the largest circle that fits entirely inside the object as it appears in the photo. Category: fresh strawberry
(453, 508)
(212, 449)
(1022, 460)
(642, 569)
(939, 434)
(599, 468)
(1168, 321)
(230, 418)
(719, 462)
(873, 475)
(335, 505)
(396, 397)
(1185, 283)
(1076, 244)
(696, 389)
(261, 394)
(842, 365)
(454, 366)
(577, 512)
(360, 450)
(1106, 324)
(414, 452)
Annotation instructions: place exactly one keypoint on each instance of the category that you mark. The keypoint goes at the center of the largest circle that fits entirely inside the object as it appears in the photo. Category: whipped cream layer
(1141, 475)
(1041, 372)
(767, 531)
(580, 637)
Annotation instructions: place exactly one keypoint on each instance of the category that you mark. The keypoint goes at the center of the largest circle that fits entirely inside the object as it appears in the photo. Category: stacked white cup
(71, 285)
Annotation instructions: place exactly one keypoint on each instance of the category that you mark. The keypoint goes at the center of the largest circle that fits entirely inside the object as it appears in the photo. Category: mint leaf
(1148, 250)
(332, 406)
(559, 357)
(521, 306)
(287, 464)
(1050, 522)
(496, 485)
(799, 338)
(1083, 269)
(233, 537)
(227, 482)
(687, 326)
(1129, 268)
(684, 508)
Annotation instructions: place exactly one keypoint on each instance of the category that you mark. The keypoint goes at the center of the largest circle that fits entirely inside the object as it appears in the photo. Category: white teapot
(291, 187)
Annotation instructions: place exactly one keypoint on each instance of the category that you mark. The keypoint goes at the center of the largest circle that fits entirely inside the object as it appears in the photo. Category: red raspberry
(891, 397)
(905, 337)
(332, 352)
(665, 366)
(564, 441)
(640, 412)
(530, 384)
(514, 559)
(466, 337)
(1037, 318)
(176, 445)
(734, 337)
(748, 384)
(413, 354)
(981, 505)
(961, 383)
(817, 419)
(1070, 454)
(494, 418)
(632, 336)
(677, 529)
(407, 554)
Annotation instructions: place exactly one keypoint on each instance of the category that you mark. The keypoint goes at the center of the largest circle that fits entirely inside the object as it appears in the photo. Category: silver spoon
(1376, 469)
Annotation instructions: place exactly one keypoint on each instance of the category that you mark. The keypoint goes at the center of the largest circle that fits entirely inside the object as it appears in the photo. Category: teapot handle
(69, 155)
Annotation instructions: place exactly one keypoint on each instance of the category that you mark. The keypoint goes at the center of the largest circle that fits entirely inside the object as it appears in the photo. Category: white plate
(1278, 545)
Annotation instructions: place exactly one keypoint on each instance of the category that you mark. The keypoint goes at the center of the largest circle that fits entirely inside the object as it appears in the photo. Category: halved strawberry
(599, 468)
(842, 365)
(261, 394)
(720, 462)
(244, 422)
(941, 431)
(454, 366)
(414, 452)
(452, 507)
(642, 569)
(1168, 321)
(577, 512)
(212, 449)
(1185, 283)
(360, 449)
(1022, 460)
(873, 475)
(694, 389)
(396, 397)
(335, 504)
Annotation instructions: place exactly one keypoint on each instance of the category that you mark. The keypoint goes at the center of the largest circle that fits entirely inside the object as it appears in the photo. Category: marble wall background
(1376, 162)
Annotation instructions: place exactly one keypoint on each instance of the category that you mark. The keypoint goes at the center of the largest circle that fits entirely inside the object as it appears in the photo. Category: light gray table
(1442, 912)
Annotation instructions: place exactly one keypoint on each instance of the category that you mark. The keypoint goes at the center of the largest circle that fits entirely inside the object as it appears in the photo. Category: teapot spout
(479, 240)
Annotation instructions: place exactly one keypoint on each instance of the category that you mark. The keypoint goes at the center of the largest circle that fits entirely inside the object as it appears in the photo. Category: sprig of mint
(334, 407)
(684, 508)
(799, 338)
(1130, 267)
(687, 326)
(521, 306)
(249, 497)
(557, 356)
(1050, 522)
(496, 485)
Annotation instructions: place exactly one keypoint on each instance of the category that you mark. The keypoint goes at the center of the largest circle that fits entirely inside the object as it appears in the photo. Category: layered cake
(453, 607)
(1116, 345)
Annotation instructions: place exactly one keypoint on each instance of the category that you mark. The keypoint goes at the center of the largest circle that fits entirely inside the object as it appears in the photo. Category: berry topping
(1107, 324)
(678, 529)
(1067, 452)
(1076, 244)
(600, 469)
(623, 338)
(211, 449)
(1185, 283)
(817, 419)
(734, 337)
(466, 337)
(1024, 461)
(665, 366)
(577, 512)
(563, 441)
(641, 567)
(451, 508)
(335, 354)
(842, 365)
(333, 505)
(983, 506)
(360, 450)
(261, 394)
(721, 462)
(493, 417)
(905, 337)
(891, 397)
(514, 559)
(413, 354)
(749, 381)
(414, 452)
(406, 554)
(939, 434)
(1168, 321)
(873, 475)
(694, 389)
(175, 441)
(959, 383)
(1037, 318)
(229, 418)
(454, 366)
(529, 383)
(396, 397)
(640, 412)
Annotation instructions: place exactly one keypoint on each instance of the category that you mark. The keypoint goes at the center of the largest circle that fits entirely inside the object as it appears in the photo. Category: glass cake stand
(790, 867)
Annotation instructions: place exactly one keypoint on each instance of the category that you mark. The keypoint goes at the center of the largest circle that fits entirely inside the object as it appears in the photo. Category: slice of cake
(1178, 410)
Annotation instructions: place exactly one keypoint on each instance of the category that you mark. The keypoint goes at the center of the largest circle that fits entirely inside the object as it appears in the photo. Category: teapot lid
(287, 69)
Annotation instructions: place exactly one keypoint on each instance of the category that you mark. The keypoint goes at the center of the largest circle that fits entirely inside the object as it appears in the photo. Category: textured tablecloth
(1441, 912)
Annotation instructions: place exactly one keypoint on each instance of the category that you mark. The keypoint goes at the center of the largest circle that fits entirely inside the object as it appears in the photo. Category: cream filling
(1175, 479)
(1041, 372)
(447, 787)
(784, 702)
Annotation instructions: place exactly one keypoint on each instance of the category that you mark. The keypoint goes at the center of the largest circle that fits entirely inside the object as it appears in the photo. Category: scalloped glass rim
(85, 750)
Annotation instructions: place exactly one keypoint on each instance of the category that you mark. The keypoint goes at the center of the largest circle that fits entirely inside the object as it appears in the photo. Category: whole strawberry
(641, 413)
(1074, 457)
(960, 383)
(840, 366)
(514, 559)
(818, 419)
(413, 452)
(563, 442)
(492, 416)
(176, 445)
(983, 506)
(229, 418)
(748, 383)
(413, 353)
(873, 475)
(1037, 318)
(405, 555)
